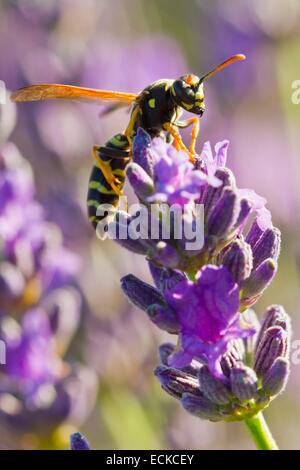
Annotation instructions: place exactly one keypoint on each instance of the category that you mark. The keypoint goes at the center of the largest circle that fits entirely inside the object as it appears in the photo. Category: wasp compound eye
(183, 92)
(187, 92)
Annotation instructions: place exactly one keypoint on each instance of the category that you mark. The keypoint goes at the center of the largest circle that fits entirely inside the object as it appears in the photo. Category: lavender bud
(234, 355)
(118, 229)
(140, 293)
(243, 381)
(165, 278)
(140, 181)
(78, 442)
(176, 382)
(223, 215)
(142, 151)
(258, 281)
(254, 234)
(213, 389)
(213, 194)
(275, 315)
(201, 407)
(238, 260)
(164, 318)
(245, 209)
(275, 379)
(132, 245)
(268, 246)
(272, 345)
(227, 362)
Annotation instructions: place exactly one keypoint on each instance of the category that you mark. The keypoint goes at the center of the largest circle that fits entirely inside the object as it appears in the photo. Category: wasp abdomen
(111, 161)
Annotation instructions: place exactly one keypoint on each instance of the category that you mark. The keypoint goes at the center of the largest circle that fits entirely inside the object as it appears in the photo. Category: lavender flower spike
(39, 310)
(224, 365)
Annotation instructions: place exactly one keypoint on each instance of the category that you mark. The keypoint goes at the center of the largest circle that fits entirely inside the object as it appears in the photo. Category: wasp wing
(69, 92)
(110, 108)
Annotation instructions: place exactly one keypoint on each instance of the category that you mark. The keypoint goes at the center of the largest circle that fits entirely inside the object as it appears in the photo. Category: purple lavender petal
(176, 181)
(221, 153)
(208, 314)
(264, 218)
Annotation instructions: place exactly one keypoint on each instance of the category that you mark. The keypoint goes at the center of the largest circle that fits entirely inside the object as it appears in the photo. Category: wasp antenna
(221, 66)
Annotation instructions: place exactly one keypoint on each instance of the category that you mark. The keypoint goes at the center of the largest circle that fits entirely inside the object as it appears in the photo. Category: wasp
(157, 109)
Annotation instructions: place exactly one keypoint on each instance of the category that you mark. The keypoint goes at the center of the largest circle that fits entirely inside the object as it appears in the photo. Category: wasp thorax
(187, 92)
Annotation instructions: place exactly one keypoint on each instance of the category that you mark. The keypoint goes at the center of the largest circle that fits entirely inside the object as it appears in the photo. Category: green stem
(260, 433)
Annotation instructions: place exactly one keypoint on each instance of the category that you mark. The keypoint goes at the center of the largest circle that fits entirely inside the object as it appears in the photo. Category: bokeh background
(90, 366)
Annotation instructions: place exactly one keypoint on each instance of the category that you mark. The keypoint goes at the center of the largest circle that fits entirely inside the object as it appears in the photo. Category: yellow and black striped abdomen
(113, 158)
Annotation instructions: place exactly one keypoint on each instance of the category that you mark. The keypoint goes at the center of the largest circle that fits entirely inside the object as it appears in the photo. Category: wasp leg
(193, 121)
(129, 128)
(107, 172)
(178, 143)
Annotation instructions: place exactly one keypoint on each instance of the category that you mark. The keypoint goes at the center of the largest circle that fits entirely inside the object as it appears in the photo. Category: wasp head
(187, 92)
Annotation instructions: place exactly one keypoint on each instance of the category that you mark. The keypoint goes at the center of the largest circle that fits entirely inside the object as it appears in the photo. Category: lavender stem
(261, 433)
